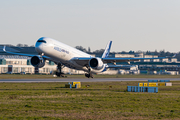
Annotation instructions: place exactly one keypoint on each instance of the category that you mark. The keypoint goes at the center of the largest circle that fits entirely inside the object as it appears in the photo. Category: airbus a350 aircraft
(64, 55)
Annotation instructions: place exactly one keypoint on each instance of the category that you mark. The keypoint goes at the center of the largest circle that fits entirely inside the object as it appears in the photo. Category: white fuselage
(62, 53)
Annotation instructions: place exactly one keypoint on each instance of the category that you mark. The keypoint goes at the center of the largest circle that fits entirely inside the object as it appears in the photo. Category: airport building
(21, 64)
(18, 64)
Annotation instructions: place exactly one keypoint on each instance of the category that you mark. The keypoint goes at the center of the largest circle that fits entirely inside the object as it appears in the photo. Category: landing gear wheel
(89, 74)
(59, 73)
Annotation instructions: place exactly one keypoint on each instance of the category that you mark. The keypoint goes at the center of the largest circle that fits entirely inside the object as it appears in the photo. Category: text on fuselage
(61, 50)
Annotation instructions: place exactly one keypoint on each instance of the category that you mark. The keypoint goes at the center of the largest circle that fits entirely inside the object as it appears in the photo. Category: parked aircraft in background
(64, 55)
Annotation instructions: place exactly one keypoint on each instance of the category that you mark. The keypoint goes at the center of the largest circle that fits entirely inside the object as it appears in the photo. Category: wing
(21, 54)
(85, 60)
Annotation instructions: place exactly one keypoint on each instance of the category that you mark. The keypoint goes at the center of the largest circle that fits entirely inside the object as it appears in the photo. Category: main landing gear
(59, 68)
(89, 74)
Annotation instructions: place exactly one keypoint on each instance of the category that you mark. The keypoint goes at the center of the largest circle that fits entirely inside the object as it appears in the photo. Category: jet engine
(37, 61)
(96, 63)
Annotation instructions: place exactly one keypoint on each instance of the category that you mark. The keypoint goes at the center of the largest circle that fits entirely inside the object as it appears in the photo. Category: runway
(85, 80)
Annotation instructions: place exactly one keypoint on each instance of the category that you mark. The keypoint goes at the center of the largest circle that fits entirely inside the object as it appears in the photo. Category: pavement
(85, 80)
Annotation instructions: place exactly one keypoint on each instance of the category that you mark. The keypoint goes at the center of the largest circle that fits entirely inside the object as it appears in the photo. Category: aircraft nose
(39, 47)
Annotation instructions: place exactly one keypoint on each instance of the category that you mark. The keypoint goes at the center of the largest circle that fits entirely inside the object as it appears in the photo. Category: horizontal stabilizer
(120, 66)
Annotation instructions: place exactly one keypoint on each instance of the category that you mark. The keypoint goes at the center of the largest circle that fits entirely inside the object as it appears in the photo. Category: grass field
(52, 101)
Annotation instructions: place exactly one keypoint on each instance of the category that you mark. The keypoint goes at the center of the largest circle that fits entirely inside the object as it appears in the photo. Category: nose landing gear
(59, 68)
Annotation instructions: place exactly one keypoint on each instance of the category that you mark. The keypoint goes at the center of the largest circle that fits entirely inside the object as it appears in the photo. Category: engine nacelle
(96, 63)
(37, 61)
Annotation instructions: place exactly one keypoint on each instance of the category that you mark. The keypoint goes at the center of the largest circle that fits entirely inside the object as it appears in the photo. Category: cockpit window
(41, 41)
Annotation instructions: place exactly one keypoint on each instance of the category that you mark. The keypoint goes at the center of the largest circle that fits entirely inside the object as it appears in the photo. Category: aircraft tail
(107, 50)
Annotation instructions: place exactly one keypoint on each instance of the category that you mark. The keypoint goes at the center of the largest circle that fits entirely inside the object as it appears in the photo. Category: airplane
(64, 55)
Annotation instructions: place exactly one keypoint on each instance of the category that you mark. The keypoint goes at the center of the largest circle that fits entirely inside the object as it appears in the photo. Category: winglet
(107, 50)
(4, 49)
(174, 55)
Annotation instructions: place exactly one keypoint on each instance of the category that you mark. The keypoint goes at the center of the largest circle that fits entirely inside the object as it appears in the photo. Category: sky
(145, 25)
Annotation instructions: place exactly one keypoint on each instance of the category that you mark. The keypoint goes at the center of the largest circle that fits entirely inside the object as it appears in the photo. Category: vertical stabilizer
(107, 50)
